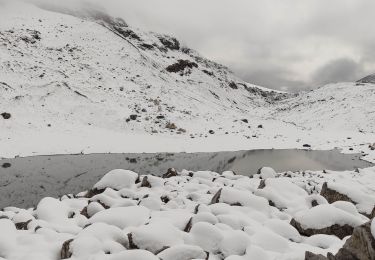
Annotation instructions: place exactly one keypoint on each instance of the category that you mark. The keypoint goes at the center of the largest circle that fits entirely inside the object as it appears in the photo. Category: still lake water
(24, 181)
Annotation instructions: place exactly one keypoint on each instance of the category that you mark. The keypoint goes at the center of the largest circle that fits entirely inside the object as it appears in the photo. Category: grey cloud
(338, 70)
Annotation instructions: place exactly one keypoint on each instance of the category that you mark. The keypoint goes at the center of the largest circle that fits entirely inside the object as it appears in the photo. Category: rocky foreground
(201, 215)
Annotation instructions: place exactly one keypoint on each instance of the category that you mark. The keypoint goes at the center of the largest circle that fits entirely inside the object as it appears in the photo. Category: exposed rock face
(332, 195)
(337, 230)
(368, 79)
(181, 65)
(170, 173)
(360, 246)
(65, 250)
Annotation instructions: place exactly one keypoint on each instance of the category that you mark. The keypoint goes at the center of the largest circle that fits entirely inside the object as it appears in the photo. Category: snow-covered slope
(368, 79)
(334, 107)
(82, 81)
(66, 72)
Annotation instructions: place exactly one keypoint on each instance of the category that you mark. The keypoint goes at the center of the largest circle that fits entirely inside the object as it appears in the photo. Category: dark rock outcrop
(332, 195)
(171, 172)
(336, 230)
(360, 246)
(65, 252)
(181, 65)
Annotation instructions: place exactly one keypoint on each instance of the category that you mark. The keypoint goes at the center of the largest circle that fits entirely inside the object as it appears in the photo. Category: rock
(169, 42)
(306, 145)
(216, 197)
(245, 121)
(171, 126)
(336, 230)
(131, 242)
(170, 173)
(181, 65)
(332, 196)
(6, 115)
(372, 146)
(233, 85)
(260, 126)
(133, 117)
(145, 182)
(211, 132)
(6, 165)
(361, 245)
(65, 252)
(23, 225)
(312, 256)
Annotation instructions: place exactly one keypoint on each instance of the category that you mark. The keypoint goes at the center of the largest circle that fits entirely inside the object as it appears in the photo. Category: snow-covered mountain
(368, 79)
(89, 70)
(83, 81)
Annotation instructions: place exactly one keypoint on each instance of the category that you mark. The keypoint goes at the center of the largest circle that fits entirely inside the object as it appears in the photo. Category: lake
(24, 181)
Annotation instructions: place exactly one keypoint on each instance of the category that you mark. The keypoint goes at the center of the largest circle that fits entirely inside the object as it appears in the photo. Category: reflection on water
(24, 181)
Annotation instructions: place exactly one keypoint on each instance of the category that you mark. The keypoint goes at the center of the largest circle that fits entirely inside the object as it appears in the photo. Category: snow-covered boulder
(117, 180)
(266, 172)
(183, 252)
(326, 219)
(123, 217)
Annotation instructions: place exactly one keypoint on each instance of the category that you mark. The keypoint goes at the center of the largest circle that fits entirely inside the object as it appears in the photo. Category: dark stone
(188, 225)
(260, 126)
(233, 85)
(6, 165)
(132, 245)
(306, 145)
(22, 225)
(262, 184)
(169, 42)
(216, 197)
(181, 65)
(336, 230)
(211, 132)
(361, 245)
(6, 115)
(91, 193)
(160, 117)
(65, 250)
(332, 196)
(84, 212)
(171, 172)
(245, 121)
(145, 182)
(164, 199)
(133, 117)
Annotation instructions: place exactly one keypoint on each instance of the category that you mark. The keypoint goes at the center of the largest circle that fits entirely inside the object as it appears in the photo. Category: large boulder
(360, 246)
(326, 219)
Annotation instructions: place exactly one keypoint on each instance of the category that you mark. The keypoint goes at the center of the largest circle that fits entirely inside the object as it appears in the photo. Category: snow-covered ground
(92, 83)
(191, 215)
(89, 83)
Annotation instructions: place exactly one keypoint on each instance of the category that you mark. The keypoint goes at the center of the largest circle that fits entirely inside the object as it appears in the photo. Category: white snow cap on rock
(267, 172)
(323, 216)
(117, 179)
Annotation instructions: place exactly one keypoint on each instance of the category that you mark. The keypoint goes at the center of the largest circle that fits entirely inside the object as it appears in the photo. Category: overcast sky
(283, 44)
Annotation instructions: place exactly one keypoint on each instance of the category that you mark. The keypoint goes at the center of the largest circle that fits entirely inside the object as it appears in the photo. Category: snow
(183, 252)
(242, 225)
(323, 216)
(117, 179)
(103, 86)
(68, 91)
(122, 217)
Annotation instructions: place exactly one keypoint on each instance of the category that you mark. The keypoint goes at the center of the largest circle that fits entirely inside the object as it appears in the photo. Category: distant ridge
(368, 79)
